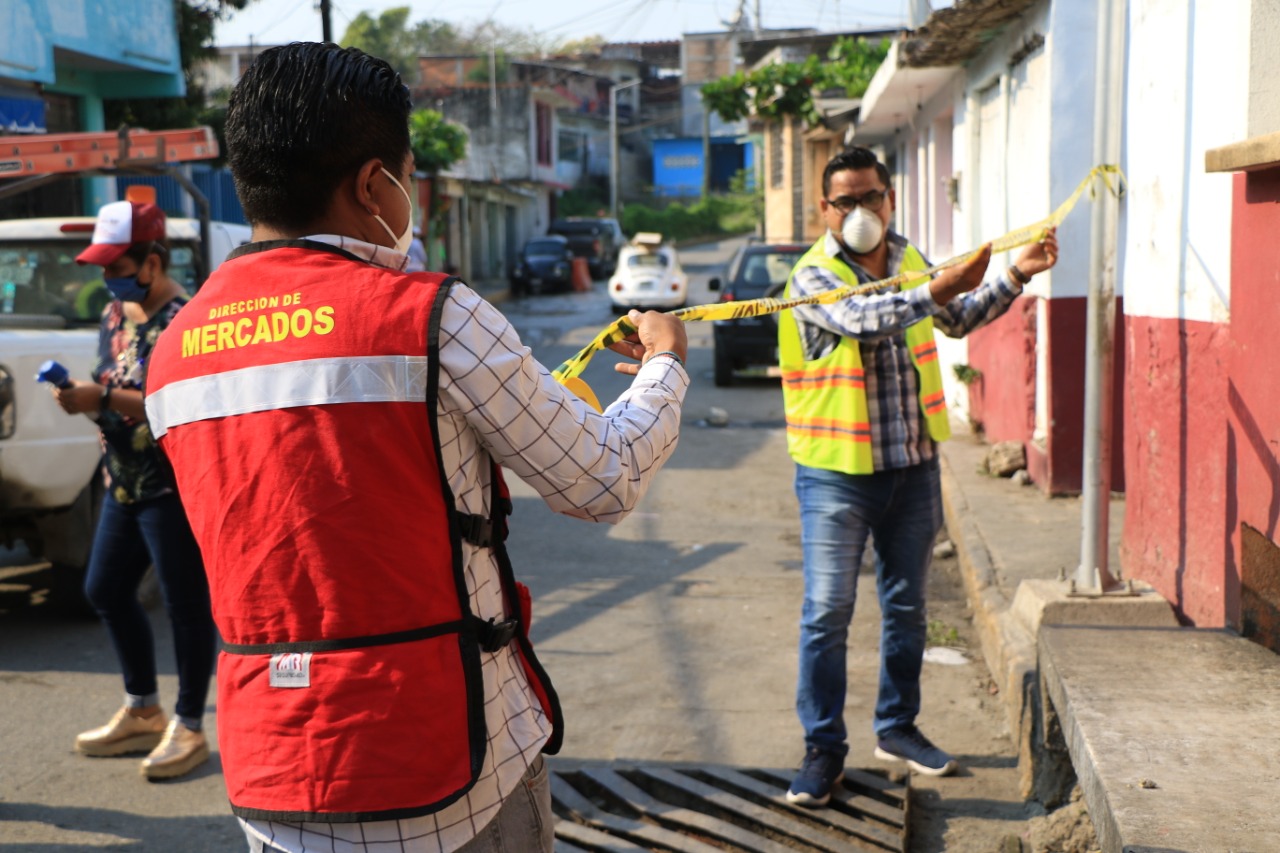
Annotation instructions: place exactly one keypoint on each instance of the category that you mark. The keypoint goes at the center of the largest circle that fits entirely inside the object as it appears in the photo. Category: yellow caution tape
(1033, 233)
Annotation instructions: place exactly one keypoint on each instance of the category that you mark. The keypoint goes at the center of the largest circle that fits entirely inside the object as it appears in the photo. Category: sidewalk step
(1172, 734)
(707, 808)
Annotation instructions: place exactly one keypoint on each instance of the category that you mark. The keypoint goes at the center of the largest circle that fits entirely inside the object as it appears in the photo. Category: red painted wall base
(1252, 401)
(1004, 401)
(1175, 511)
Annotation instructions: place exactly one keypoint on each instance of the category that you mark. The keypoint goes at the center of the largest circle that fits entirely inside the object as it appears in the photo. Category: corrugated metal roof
(953, 36)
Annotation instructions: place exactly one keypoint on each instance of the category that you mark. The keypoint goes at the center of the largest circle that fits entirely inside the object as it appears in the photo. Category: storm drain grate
(705, 809)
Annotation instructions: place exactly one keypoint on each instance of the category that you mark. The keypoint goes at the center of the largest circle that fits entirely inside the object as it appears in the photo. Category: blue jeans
(902, 511)
(128, 539)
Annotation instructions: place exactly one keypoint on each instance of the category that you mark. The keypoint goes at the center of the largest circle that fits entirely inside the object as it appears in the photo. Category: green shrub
(710, 217)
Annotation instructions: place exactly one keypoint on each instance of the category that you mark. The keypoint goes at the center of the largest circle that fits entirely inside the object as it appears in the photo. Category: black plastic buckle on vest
(476, 529)
(493, 635)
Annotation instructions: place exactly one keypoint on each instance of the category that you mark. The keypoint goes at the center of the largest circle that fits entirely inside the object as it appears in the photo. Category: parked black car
(755, 271)
(598, 240)
(543, 265)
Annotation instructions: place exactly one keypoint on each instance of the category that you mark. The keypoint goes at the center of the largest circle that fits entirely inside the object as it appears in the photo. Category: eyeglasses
(873, 201)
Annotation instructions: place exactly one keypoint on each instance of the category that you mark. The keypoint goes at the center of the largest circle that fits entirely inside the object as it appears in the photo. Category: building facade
(61, 59)
(985, 116)
(988, 124)
(1200, 261)
(536, 130)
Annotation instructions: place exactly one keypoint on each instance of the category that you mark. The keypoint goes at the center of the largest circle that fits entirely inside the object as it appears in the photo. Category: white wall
(1264, 68)
(1000, 146)
(1188, 90)
(1070, 42)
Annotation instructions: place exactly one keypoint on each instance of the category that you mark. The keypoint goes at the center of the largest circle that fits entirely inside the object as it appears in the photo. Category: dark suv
(755, 271)
(597, 240)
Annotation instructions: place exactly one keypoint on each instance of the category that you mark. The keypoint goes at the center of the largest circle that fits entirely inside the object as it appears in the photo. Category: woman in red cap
(142, 521)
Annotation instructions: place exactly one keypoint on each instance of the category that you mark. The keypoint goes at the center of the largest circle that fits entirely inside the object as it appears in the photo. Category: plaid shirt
(496, 400)
(899, 437)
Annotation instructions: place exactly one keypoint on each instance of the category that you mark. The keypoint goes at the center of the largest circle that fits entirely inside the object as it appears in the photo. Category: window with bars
(542, 117)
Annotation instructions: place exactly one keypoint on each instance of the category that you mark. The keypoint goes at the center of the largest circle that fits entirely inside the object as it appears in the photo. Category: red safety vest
(296, 398)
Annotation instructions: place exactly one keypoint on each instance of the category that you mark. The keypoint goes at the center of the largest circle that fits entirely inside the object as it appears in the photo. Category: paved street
(671, 637)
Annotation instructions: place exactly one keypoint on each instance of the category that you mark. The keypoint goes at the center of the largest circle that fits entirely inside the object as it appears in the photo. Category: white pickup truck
(50, 483)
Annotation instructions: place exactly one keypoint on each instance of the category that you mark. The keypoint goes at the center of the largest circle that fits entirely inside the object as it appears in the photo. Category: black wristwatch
(104, 402)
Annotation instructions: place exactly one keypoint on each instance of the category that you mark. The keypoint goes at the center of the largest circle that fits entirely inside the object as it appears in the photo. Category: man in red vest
(336, 426)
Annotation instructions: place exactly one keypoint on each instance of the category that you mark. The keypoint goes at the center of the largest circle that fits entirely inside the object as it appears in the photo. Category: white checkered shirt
(495, 399)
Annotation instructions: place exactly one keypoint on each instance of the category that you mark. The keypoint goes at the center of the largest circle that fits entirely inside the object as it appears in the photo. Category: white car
(648, 276)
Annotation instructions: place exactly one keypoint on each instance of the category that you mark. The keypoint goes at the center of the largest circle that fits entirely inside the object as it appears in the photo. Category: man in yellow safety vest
(865, 410)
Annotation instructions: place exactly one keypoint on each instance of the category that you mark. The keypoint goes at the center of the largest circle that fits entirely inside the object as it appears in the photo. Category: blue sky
(278, 21)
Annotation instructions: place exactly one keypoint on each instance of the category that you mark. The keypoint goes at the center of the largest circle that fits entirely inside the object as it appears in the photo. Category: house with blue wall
(678, 164)
(61, 59)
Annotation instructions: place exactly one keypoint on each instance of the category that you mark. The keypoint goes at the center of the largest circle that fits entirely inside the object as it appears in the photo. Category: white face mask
(406, 237)
(862, 230)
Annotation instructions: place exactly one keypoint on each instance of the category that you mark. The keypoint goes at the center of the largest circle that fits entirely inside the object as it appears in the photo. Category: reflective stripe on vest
(825, 399)
(350, 684)
(312, 382)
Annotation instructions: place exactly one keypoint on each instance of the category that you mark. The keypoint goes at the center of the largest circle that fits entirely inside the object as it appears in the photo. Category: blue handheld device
(55, 374)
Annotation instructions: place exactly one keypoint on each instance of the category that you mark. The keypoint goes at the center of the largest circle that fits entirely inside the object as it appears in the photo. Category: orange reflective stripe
(926, 352)
(830, 428)
(826, 377)
(933, 402)
(814, 382)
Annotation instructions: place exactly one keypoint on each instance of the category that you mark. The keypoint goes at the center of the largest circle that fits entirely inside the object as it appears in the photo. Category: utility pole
(326, 21)
(1093, 573)
(495, 123)
(706, 152)
(613, 144)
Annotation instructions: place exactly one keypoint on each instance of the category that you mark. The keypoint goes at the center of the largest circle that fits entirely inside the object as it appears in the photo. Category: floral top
(134, 468)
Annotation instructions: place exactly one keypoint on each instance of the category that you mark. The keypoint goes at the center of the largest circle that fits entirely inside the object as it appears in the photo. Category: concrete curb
(1008, 648)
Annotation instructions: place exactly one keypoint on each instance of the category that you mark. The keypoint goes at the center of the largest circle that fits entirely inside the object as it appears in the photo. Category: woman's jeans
(902, 511)
(129, 538)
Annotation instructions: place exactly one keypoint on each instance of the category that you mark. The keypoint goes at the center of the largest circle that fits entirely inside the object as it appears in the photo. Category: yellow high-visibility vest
(826, 399)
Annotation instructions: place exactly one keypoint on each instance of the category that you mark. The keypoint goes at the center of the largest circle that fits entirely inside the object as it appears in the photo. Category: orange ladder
(48, 154)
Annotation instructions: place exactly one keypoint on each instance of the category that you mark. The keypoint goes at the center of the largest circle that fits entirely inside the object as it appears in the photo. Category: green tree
(788, 89)
(196, 20)
(586, 45)
(436, 145)
(501, 65)
(390, 36)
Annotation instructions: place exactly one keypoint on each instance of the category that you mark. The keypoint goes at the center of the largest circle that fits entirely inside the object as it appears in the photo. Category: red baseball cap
(120, 225)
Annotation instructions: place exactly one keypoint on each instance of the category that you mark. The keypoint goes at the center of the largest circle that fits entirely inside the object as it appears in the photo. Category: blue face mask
(127, 289)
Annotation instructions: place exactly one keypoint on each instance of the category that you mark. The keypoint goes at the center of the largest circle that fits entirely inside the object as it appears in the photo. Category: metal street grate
(708, 809)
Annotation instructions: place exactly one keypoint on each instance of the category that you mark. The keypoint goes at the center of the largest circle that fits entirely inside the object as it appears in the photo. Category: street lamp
(613, 144)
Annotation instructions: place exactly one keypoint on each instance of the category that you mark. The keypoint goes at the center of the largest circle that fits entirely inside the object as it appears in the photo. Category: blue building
(678, 166)
(60, 59)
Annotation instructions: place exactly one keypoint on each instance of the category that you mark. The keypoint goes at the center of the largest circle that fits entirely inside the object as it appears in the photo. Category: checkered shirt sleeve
(496, 400)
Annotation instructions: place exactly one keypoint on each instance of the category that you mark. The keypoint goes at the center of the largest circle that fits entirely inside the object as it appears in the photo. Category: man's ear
(363, 186)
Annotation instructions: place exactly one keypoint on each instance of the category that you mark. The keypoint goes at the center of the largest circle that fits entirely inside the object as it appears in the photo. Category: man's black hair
(856, 157)
(139, 252)
(302, 118)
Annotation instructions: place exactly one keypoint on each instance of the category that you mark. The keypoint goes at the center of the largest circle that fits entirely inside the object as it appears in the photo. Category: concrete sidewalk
(1160, 724)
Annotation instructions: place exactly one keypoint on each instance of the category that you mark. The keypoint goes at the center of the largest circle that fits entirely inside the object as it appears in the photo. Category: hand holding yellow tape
(568, 372)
